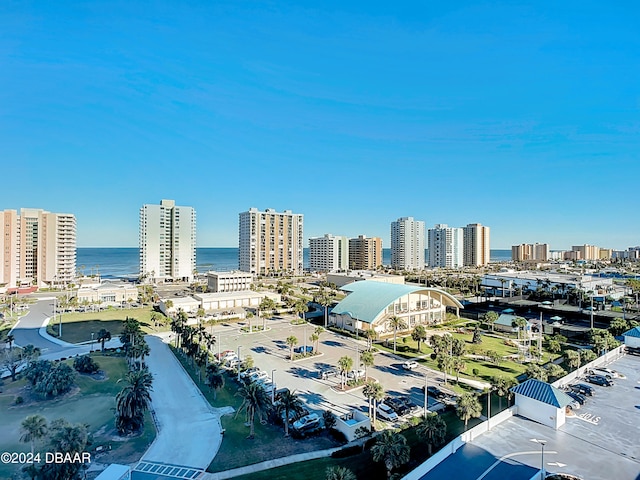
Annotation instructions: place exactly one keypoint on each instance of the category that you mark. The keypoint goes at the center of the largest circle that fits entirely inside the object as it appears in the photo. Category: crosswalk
(162, 471)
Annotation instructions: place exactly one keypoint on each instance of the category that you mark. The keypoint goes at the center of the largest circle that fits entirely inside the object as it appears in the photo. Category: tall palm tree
(215, 378)
(318, 332)
(458, 365)
(340, 473)
(419, 335)
(392, 449)
(468, 407)
(573, 358)
(266, 305)
(396, 323)
(34, 427)
(432, 429)
(255, 401)
(289, 402)
(300, 307)
(369, 392)
(133, 401)
(346, 364)
(367, 360)
(292, 341)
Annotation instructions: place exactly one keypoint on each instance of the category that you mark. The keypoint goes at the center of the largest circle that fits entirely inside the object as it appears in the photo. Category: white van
(386, 413)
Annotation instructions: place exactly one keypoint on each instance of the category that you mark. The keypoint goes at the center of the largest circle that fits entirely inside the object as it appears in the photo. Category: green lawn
(236, 450)
(77, 327)
(93, 403)
(407, 347)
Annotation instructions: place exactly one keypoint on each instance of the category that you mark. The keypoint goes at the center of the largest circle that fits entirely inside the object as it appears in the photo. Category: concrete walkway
(268, 464)
(189, 429)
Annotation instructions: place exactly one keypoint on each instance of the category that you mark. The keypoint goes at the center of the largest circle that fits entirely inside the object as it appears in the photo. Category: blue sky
(523, 116)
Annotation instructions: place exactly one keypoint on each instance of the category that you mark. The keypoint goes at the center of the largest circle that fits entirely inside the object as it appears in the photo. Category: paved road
(190, 432)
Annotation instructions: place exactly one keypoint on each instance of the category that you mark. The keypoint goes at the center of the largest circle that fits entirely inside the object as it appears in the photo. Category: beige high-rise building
(365, 253)
(476, 245)
(270, 242)
(587, 252)
(37, 248)
(530, 251)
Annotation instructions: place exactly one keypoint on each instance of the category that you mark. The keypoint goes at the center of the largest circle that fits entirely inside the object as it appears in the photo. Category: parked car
(355, 374)
(435, 392)
(328, 373)
(307, 422)
(246, 373)
(223, 355)
(397, 405)
(303, 349)
(582, 388)
(605, 372)
(410, 405)
(232, 362)
(578, 397)
(385, 412)
(410, 365)
(599, 380)
(255, 376)
(574, 405)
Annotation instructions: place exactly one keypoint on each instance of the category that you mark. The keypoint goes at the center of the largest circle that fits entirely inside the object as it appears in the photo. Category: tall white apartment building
(37, 248)
(446, 246)
(476, 245)
(329, 253)
(270, 243)
(167, 242)
(407, 244)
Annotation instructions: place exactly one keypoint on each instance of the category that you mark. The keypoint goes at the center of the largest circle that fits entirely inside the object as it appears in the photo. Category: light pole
(91, 350)
(273, 388)
(592, 311)
(542, 443)
(238, 363)
(426, 393)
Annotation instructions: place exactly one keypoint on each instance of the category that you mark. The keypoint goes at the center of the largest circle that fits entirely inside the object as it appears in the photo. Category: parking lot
(271, 354)
(599, 442)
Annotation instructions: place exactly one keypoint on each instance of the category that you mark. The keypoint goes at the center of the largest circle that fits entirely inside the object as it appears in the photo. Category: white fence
(605, 359)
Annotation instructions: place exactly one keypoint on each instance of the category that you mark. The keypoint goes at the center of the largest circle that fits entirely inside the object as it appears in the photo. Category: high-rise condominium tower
(329, 253)
(365, 253)
(167, 242)
(407, 244)
(476, 245)
(446, 247)
(37, 248)
(270, 242)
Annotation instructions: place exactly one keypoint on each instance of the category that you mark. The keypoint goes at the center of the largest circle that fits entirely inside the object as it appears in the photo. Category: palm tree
(396, 323)
(340, 473)
(502, 386)
(34, 427)
(346, 364)
(300, 307)
(292, 342)
(289, 402)
(325, 299)
(133, 401)
(490, 318)
(367, 360)
(419, 335)
(468, 407)
(573, 359)
(255, 401)
(104, 335)
(317, 332)
(314, 339)
(432, 429)
(445, 361)
(10, 339)
(369, 393)
(392, 449)
(459, 365)
(215, 378)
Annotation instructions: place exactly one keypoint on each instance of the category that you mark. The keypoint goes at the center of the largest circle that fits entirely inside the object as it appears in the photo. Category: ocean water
(124, 262)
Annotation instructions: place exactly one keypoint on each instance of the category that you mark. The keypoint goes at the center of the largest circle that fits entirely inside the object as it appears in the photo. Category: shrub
(86, 364)
(346, 451)
(338, 436)
(19, 400)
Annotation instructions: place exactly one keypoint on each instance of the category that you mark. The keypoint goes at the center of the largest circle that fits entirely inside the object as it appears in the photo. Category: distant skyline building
(530, 251)
(37, 248)
(329, 253)
(407, 244)
(477, 245)
(270, 242)
(446, 246)
(365, 253)
(586, 252)
(167, 242)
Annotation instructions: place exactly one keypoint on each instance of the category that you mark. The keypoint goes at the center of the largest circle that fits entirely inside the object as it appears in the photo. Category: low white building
(350, 422)
(632, 337)
(107, 292)
(229, 281)
(541, 402)
(342, 279)
(229, 300)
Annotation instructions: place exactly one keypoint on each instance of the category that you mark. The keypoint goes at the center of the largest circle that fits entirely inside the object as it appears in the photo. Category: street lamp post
(542, 443)
(238, 363)
(426, 394)
(91, 350)
(273, 388)
(592, 311)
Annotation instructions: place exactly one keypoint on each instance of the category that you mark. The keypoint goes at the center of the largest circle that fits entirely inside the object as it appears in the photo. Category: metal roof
(368, 298)
(543, 392)
(634, 332)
